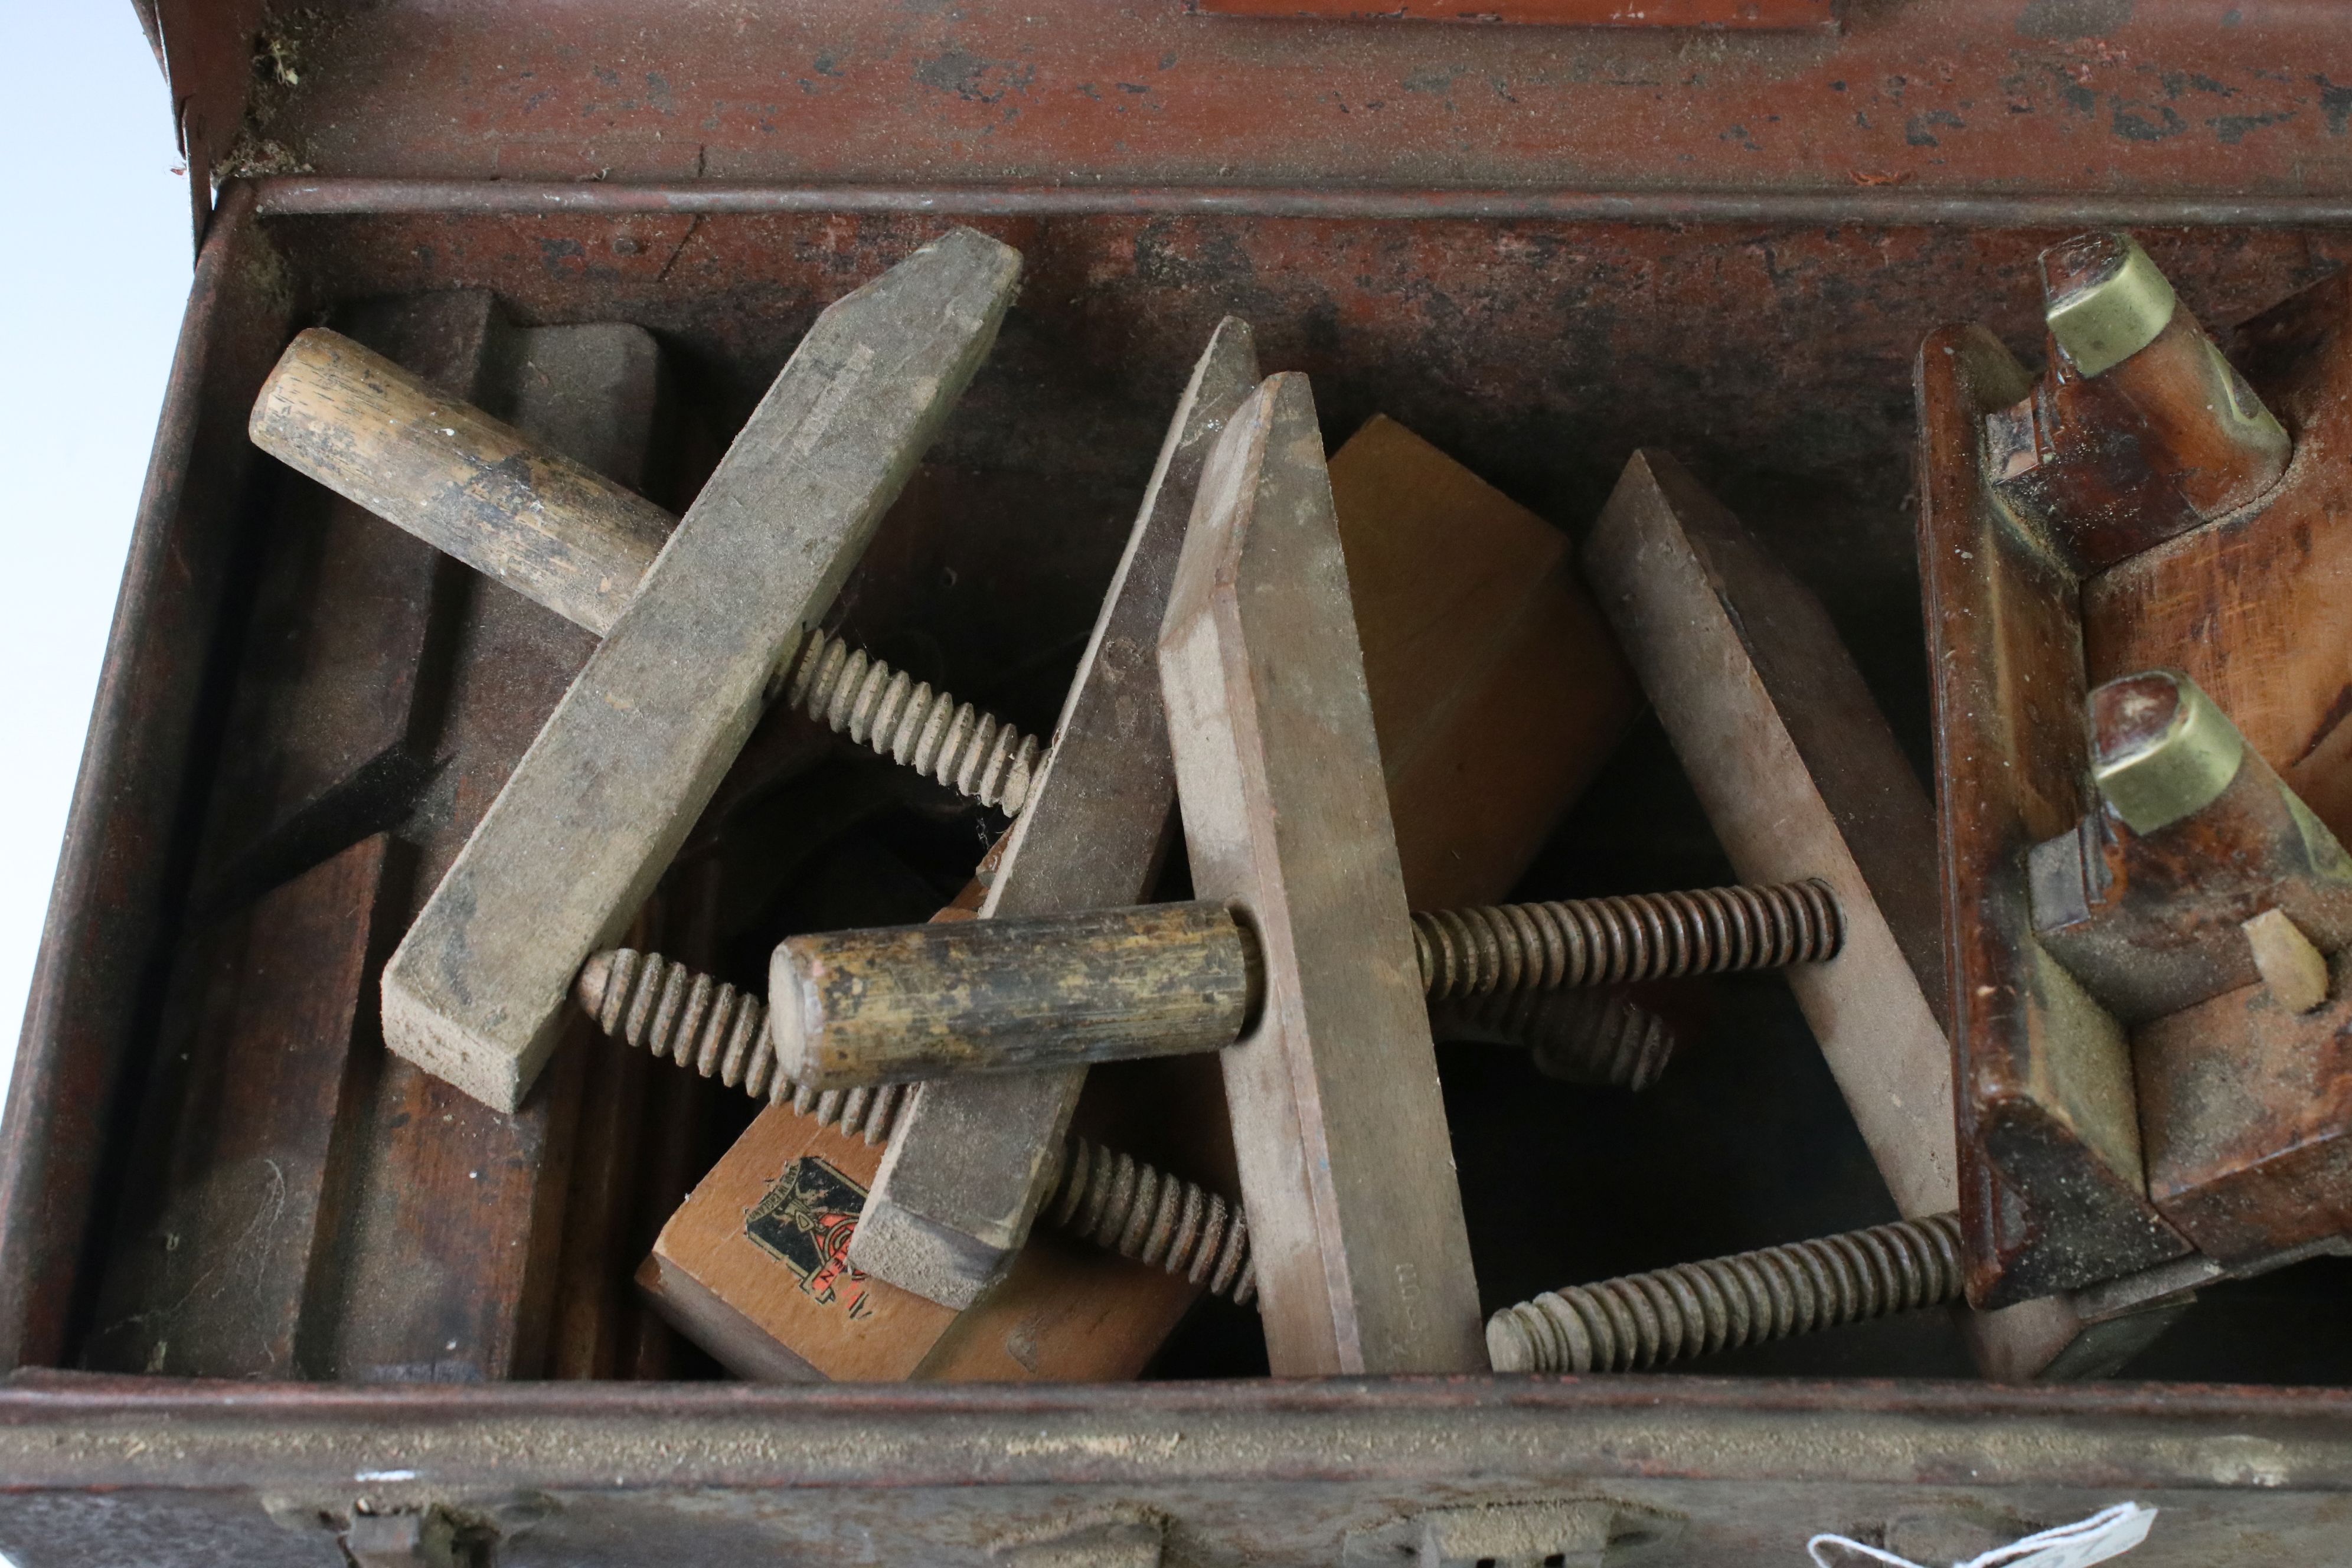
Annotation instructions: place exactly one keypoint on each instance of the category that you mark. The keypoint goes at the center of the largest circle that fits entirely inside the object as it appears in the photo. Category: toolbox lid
(2058, 111)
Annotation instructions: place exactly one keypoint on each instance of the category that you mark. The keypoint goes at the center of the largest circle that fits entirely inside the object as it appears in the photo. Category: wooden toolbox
(1539, 246)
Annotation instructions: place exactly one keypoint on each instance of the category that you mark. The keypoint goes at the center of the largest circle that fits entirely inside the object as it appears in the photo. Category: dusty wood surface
(967, 1169)
(1800, 778)
(1493, 677)
(2257, 607)
(2053, 1182)
(468, 484)
(903, 1004)
(571, 848)
(2289, 963)
(1338, 1126)
(2248, 1109)
(725, 1275)
(220, 1268)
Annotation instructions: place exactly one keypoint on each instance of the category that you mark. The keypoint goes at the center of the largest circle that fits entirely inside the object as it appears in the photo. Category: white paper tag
(2110, 1532)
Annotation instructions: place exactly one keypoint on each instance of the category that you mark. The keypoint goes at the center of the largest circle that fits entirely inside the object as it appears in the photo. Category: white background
(94, 266)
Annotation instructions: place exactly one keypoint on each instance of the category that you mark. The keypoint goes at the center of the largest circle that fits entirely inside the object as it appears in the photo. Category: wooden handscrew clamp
(1467, 606)
(2137, 640)
(476, 990)
(567, 537)
(935, 1001)
(755, 1265)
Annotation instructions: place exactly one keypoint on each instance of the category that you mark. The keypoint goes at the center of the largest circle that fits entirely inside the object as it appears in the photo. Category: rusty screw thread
(1614, 940)
(1698, 1308)
(972, 752)
(1114, 1200)
(1599, 1038)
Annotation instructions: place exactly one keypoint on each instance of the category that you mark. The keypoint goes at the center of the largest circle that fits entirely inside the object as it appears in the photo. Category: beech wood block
(954, 1200)
(1363, 1264)
(476, 489)
(590, 817)
(1800, 776)
(755, 1268)
(1493, 677)
(900, 1003)
(2054, 1182)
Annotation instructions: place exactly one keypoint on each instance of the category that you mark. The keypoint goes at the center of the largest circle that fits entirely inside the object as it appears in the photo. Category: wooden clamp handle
(470, 486)
(1010, 994)
(890, 1006)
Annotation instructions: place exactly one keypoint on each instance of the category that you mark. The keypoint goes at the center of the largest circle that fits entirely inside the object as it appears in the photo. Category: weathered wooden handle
(481, 490)
(902, 1002)
(889, 1005)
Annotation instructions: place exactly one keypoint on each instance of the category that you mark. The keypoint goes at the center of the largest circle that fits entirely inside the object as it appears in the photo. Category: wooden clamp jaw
(1796, 767)
(2141, 1105)
(1799, 775)
(1363, 1263)
(590, 817)
(955, 1197)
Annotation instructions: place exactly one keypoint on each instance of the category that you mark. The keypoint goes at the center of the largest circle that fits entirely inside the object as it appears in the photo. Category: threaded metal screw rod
(662, 1007)
(857, 695)
(1599, 1038)
(1117, 1202)
(1697, 1309)
(1638, 936)
(1114, 1200)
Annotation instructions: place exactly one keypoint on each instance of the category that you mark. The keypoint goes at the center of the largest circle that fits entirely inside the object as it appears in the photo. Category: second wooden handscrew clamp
(901, 1004)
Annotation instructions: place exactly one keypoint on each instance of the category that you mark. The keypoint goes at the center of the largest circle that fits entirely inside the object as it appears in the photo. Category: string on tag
(2110, 1532)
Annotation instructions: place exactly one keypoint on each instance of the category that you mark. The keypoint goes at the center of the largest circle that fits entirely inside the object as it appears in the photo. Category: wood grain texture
(904, 1004)
(476, 993)
(230, 1236)
(1800, 776)
(2053, 1183)
(2257, 606)
(2152, 922)
(469, 485)
(416, 1295)
(954, 1200)
(331, 735)
(1347, 1171)
(1494, 679)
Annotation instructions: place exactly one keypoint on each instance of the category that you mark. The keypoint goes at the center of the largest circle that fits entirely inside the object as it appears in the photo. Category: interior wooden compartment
(1774, 359)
